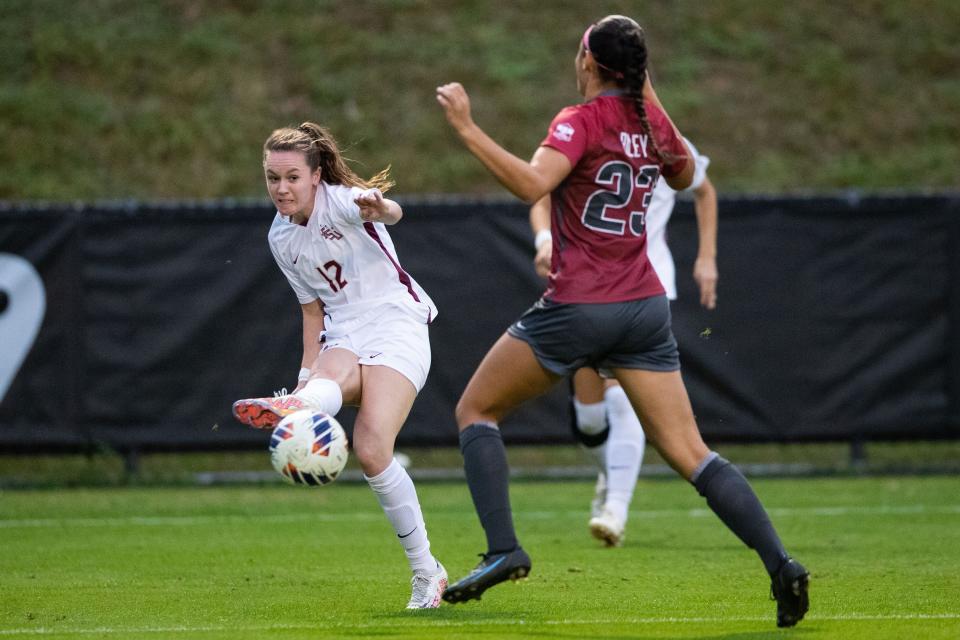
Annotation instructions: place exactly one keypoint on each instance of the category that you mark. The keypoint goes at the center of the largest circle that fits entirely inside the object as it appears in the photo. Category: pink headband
(586, 47)
(586, 38)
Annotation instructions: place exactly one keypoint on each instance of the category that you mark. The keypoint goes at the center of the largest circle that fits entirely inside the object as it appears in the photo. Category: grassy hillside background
(173, 98)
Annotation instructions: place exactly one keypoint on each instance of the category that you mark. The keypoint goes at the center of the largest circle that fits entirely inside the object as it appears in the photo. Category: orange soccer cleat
(266, 413)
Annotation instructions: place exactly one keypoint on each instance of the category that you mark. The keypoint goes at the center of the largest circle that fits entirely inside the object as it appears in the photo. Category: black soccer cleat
(789, 588)
(492, 570)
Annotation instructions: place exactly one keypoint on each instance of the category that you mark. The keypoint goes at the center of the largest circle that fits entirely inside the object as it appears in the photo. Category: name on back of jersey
(634, 144)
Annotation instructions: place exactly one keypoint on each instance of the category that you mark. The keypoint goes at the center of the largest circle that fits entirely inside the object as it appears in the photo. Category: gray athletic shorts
(628, 335)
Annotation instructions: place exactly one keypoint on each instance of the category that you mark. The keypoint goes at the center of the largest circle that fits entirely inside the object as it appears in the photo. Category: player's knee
(591, 417)
(465, 412)
(683, 454)
(323, 395)
(372, 455)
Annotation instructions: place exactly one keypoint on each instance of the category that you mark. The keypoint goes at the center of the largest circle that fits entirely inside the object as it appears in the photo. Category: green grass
(107, 468)
(252, 562)
(173, 99)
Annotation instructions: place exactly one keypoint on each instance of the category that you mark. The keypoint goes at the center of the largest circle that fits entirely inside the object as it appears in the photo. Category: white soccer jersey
(658, 214)
(348, 264)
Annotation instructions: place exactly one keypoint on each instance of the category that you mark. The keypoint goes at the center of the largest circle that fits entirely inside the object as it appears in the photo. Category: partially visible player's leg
(608, 428)
(508, 375)
(387, 396)
(590, 428)
(590, 415)
(624, 456)
(624, 449)
(660, 399)
(334, 381)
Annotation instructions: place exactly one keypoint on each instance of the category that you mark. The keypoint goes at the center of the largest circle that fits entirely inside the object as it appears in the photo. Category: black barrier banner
(838, 318)
(833, 320)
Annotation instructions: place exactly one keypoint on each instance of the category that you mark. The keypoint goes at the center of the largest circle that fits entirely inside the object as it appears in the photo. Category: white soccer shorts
(392, 338)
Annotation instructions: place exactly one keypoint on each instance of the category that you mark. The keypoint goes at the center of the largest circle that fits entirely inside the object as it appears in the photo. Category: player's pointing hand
(456, 103)
(372, 206)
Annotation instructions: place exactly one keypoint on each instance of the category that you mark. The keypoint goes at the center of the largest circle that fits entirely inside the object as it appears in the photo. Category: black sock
(485, 463)
(730, 496)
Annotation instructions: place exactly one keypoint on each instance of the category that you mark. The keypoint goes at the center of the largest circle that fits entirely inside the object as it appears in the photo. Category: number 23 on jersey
(620, 176)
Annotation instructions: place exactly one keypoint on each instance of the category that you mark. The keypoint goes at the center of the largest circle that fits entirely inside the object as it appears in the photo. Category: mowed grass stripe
(187, 521)
(475, 623)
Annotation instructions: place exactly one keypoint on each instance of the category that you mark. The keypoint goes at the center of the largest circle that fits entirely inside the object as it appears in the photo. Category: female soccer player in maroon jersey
(604, 306)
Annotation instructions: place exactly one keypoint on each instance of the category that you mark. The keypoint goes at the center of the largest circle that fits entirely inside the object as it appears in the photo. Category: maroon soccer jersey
(599, 210)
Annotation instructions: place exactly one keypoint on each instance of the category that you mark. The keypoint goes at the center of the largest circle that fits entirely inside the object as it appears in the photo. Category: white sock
(624, 451)
(398, 497)
(323, 395)
(591, 420)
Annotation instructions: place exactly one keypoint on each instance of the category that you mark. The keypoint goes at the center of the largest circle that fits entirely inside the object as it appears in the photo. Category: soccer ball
(308, 447)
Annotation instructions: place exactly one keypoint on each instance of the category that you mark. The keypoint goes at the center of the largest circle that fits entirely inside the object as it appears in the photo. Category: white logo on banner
(23, 302)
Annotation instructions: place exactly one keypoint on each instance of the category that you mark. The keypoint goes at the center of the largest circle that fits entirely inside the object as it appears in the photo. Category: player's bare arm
(543, 242)
(312, 328)
(683, 179)
(705, 267)
(529, 181)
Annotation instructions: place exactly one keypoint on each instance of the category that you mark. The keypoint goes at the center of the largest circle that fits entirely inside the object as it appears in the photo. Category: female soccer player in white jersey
(603, 421)
(604, 306)
(365, 322)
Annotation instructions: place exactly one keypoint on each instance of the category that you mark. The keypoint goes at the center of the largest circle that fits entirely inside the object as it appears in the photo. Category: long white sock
(398, 497)
(592, 420)
(624, 451)
(323, 395)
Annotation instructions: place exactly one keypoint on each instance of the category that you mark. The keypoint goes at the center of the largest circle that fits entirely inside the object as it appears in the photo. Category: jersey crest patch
(563, 132)
(330, 233)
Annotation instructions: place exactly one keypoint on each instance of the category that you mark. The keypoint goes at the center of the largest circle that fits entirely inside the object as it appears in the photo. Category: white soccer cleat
(599, 496)
(428, 588)
(608, 528)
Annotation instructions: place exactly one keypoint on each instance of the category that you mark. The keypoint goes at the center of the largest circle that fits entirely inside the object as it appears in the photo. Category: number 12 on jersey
(332, 272)
(620, 176)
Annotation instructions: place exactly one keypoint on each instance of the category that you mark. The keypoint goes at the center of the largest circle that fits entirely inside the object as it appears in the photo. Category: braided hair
(322, 152)
(619, 48)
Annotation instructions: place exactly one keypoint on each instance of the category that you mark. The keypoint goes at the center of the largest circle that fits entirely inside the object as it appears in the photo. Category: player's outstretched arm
(705, 268)
(529, 181)
(683, 179)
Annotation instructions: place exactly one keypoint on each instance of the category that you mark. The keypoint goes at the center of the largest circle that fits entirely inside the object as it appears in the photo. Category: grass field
(108, 468)
(259, 561)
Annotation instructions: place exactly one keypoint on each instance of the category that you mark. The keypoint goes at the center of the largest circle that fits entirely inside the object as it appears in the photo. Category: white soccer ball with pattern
(308, 447)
